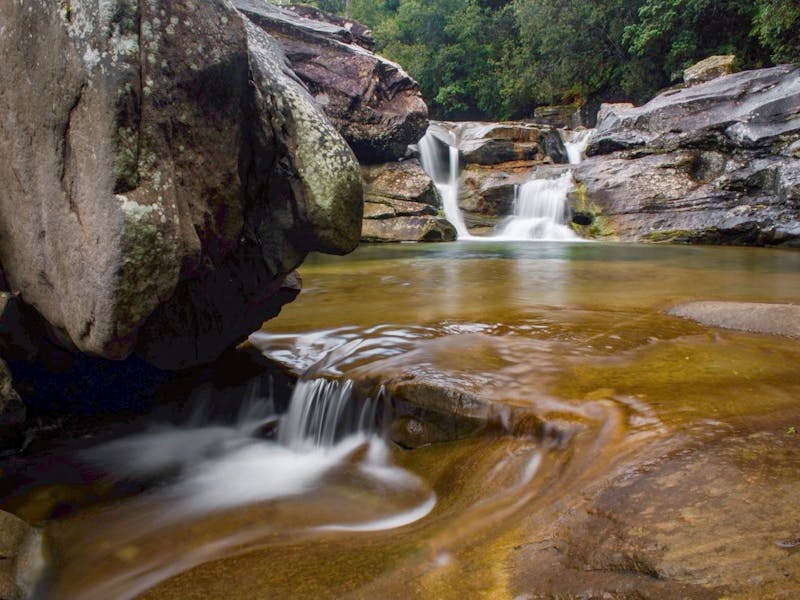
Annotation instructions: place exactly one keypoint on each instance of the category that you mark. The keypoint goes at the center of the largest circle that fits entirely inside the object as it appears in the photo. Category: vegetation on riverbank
(498, 59)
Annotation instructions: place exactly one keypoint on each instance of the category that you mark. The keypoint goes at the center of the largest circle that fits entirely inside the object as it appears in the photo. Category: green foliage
(777, 27)
(678, 33)
(499, 59)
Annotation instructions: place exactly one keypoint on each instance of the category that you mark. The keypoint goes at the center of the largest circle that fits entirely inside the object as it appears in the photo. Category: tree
(777, 27)
(573, 51)
(677, 33)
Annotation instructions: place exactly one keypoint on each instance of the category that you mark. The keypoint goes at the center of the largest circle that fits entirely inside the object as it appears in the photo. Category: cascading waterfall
(540, 212)
(445, 178)
(540, 205)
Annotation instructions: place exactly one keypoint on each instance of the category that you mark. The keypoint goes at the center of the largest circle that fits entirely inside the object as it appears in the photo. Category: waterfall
(540, 205)
(322, 412)
(540, 212)
(445, 178)
(576, 142)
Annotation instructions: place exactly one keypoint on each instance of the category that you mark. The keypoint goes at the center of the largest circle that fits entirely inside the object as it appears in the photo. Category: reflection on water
(599, 404)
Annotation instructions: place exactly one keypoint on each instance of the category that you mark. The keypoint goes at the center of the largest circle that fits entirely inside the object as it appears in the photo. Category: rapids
(585, 442)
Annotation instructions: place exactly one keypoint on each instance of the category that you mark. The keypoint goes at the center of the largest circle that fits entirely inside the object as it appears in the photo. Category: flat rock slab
(754, 317)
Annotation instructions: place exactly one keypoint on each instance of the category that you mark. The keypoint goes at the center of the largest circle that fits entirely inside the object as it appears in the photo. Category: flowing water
(540, 212)
(445, 177)
(540, 205)
(585, 442)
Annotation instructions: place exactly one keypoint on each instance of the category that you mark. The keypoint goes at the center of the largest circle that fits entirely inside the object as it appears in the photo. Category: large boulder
(714, 163)
(162, 173)
(752, 110)
(373, 103)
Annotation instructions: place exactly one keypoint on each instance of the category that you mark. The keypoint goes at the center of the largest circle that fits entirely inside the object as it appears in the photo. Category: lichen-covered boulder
(372, 101)
(709, 68)
(162, 173)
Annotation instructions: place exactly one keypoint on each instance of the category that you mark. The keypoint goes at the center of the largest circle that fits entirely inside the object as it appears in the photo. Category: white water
(208, 465)
(540, 205)
(445, 178)
(540, 212)
(576, 142)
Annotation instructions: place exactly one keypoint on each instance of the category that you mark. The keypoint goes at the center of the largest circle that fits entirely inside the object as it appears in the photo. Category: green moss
(600, 227)
(669, 236)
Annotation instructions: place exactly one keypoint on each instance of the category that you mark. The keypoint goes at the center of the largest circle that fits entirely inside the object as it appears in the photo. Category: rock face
(372, 102)
(495, 143)
(567, 116)
(162, 173)
(401, 204)
(713, 163)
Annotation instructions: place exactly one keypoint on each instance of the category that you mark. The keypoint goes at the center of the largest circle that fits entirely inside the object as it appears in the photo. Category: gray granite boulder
(163, 172)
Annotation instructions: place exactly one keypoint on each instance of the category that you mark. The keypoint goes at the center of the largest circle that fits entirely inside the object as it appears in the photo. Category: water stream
(540, 205)
(584, 441)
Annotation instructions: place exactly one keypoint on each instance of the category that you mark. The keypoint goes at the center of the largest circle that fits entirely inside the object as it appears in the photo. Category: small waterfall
(323, 411)
(540, 212)
(576, 142)
(445, 178)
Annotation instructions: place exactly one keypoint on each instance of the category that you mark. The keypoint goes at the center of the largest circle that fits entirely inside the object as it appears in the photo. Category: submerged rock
(707, 164)
(754, 317)
(372, 101)
(164, 173)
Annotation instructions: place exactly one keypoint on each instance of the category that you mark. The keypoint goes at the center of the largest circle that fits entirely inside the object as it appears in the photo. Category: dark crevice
(67, 169)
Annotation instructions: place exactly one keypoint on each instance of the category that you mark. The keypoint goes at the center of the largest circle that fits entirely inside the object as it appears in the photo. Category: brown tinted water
(657, 460)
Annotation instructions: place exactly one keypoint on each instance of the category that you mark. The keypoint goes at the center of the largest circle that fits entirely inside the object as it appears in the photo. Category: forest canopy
(498, 59)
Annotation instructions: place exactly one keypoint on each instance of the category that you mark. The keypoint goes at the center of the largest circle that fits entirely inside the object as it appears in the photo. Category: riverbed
(625, 451)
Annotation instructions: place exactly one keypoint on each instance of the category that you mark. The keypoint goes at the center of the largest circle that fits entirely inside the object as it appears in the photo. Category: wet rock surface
(372, 102)
(711, 163)
(183, 174)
